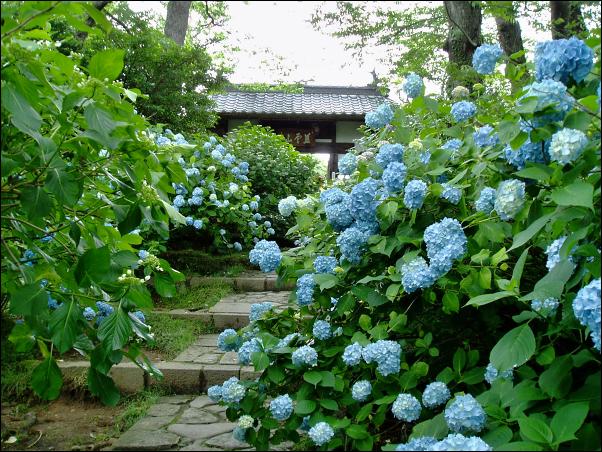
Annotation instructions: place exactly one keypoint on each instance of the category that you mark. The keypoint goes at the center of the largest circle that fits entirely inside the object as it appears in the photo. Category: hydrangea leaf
(46, 379)
(514, 349)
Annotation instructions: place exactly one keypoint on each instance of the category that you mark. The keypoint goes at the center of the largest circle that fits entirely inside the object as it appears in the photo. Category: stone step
(184, 422)
(246, 282)
(232, 311)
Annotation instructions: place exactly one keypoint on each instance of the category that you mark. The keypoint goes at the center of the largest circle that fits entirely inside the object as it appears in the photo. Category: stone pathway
(249, 281)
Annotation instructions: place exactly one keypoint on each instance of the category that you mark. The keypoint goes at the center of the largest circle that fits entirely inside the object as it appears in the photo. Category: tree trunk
(463, 37)
(510, 38)
(566, 19)
(176, 24)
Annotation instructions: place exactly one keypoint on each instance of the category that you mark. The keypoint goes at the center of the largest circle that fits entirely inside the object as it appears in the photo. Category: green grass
(201, 297)
(232, 271)
(136, 406)
(173, 336)
(15, 380)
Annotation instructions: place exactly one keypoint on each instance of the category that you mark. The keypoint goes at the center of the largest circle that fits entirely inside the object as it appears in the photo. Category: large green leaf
(28, 300)
(535, 430)
(36, 203)
(557, 379)
(115, 330)
(64, 185)
(92, 266)
(524, 236)
(568, 420)
(577, 194)
(47, 380)
(304, 407)
(552, 284)
(103, 387)
(487, 298)
(100, 125)
(63, 325)
(106, 64)
(164, 285)
(23, 115)
(513, 349)
(369, 295)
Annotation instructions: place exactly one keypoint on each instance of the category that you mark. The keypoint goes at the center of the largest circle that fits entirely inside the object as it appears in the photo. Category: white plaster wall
(347, 131)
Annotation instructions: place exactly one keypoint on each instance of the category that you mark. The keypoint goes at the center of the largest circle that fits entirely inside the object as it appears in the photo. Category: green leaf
(275, 374)
(260, 360)
(328, 379)
(23, 116)
(497, 437)
(459, 360)
(103, 387)
(329, 404)
(519, 446)
(313, 377)
(63, 325)
(513, 349)
(92, 266)
(435, 427)
(64, 185)
(357, 431)
(36, 203)
(577, 194)
(115, 330)
(22, 338)
(131, 221)
(508, 130)
(106, 64)
(28, 300)
(371, 296)
(552, 284)
(556, 381)
(535, 430)
(325, 281)
(485, 278)
(546, 356)
(578, 120)
(517, 271)
(364, 412)
(484, 299)
(451, 303)
(164, 285)
(100, 125)
(524, 236)
(392, 291)
(365, 322)
(538, 172)
(304, 407)
(46, 379)
(568, 420)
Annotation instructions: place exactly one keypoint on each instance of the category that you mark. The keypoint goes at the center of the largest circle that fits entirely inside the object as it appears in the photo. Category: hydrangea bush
(441, 327)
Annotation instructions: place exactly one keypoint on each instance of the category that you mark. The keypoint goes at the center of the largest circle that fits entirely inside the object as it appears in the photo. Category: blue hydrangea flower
(586, 307)
(140, 316)
(192, 172)
(463, 110)
(215, 393)
(492, 374)
(281, 407)
(563, 59)
(486, 200)
(305, 424)
(270, 231)
(387, 354)
(352, 354)
(527, 152)
(465, 414)
(240, 434)
(266, 254)
(305, 289)
(461, 443)
(549, 93)
(379, 117)
(252, 224)
(322, 330)
(509, 199)
(267, 224)
(228, 340)
(189, 221)
(347, 164)
(435, 394)
(425, 157)
(389, 153)
(406, 408)
(361, 390)
(287, 206)
(321, 433)
(287, 340)
(420, 444)
(451, 194)
(416, 275)
(567, 145)
(237, 246)
(232, 391)
(338, 214)
(332, 196)
(452, 145)
(305, 356)
(485, 57)
(104, 309)
(485, 137)
(547, 307)
(445, 242)
(197, 224)
(363, 205)
(325, 264)
(259, 309)
(247, 349)
(394, 176)
(413, 85)
(179, 201)
(89, 313)
(414, 194)
(553, 252)
(351, 242)
(254, 205)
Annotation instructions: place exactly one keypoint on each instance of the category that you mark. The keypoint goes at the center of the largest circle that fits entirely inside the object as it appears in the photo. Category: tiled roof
(314, 101)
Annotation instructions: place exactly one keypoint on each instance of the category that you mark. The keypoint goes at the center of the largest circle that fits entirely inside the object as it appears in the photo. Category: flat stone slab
(250, 281)
(146, 440)
(233, 311)
(197, 416)
(163, 409)
(203, 431)
(152, 423)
